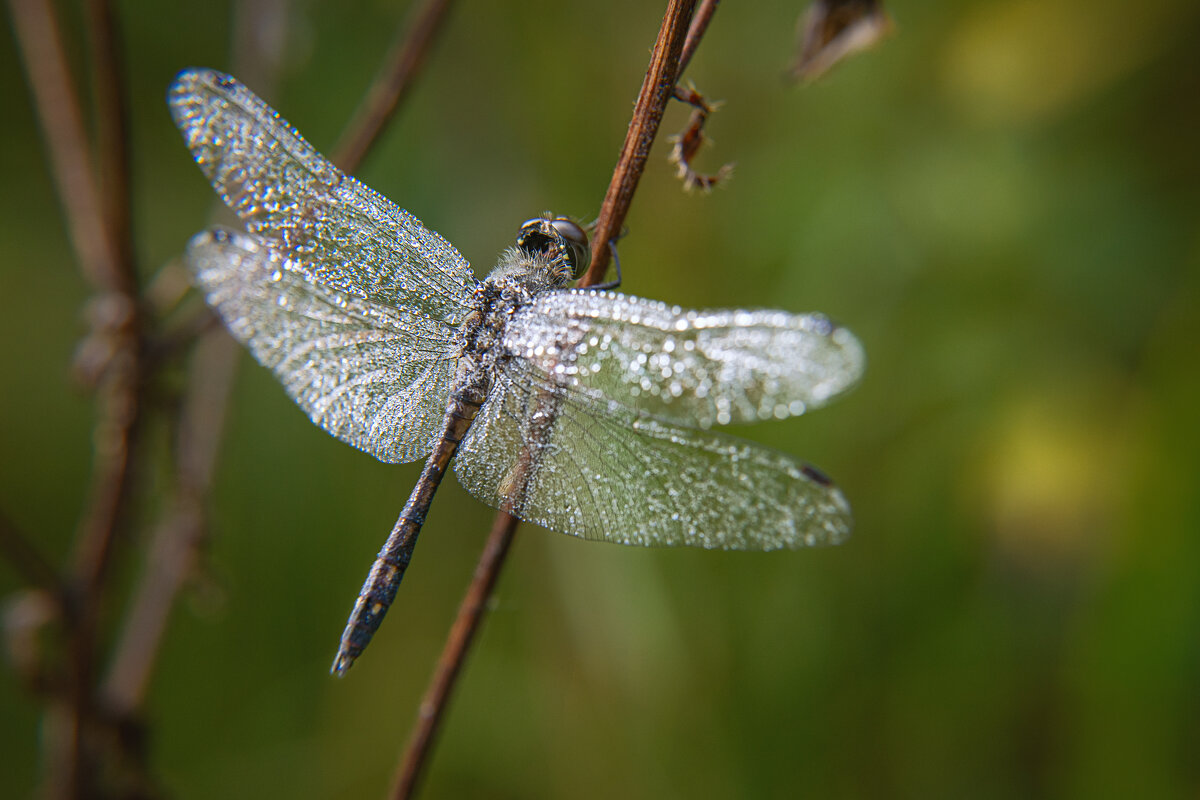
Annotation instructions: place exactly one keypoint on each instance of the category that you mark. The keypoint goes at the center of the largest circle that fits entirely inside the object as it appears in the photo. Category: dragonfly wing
(577, 463)
(331, 228)
(358, 369)
(698, 368)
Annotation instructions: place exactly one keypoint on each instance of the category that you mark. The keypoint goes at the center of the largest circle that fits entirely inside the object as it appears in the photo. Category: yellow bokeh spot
(1055, 474)
(1020, 61)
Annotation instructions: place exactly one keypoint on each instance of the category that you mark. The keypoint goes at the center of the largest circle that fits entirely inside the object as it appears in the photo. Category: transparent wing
(599, 470)
(329, 226)
(698, 368)
(356, 367)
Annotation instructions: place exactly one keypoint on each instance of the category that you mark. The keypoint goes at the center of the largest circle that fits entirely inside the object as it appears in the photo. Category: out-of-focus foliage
(1001, 201)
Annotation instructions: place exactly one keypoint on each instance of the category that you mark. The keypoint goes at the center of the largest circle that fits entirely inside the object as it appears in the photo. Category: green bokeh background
(1001, 201)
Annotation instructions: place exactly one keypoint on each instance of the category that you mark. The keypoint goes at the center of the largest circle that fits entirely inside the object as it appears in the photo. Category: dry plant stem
(58, 113)
(116, 440)
(458, 641)
(657, 89)
(179, 536)
(696, 29)
(119, 426)
(391, 85)
(112, 135)
(106, 265)
(110, 272)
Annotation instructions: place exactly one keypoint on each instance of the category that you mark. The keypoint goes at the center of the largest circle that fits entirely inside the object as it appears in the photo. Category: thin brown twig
(100, 258)
(179, 536)
(117, 442)
(121, 406)
(656, 90)
(458, 642)
(63, 132)
(696, 29)
(117, 433)
(120, 401)
(692, 137)
(393, 82)
(106, 265)
(112, 134)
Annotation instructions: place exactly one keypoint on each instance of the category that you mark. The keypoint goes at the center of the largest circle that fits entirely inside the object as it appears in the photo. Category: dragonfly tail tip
(341, 664)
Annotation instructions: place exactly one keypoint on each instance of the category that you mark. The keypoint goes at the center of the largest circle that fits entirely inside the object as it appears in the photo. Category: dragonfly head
(560, 242)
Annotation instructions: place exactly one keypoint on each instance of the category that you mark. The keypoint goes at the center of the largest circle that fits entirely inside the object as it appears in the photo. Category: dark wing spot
(816, 476)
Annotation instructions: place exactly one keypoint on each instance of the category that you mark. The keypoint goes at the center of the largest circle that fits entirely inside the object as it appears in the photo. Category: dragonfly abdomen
(379, 590)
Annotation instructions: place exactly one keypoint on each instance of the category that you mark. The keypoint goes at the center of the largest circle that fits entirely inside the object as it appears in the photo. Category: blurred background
(1000, 201)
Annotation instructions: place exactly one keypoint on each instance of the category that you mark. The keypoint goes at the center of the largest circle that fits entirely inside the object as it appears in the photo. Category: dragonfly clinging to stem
(584, 411)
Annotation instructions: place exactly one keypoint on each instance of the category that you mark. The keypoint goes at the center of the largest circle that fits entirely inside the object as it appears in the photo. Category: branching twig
(94, 233)
(99, 233)
(692, 138)
(390, 86)
(121, 402)
(652, 100)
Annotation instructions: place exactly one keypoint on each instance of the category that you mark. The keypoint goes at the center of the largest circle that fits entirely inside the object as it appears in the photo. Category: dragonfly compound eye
(578, 251)
(557, 237)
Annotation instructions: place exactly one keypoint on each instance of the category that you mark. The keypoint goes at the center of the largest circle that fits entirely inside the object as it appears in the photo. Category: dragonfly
(585, 411)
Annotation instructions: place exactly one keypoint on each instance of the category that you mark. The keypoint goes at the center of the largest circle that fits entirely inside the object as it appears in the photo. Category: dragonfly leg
(613, 284)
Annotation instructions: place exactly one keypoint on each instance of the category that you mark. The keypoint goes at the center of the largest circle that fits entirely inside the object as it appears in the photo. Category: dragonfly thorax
(495, 300)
